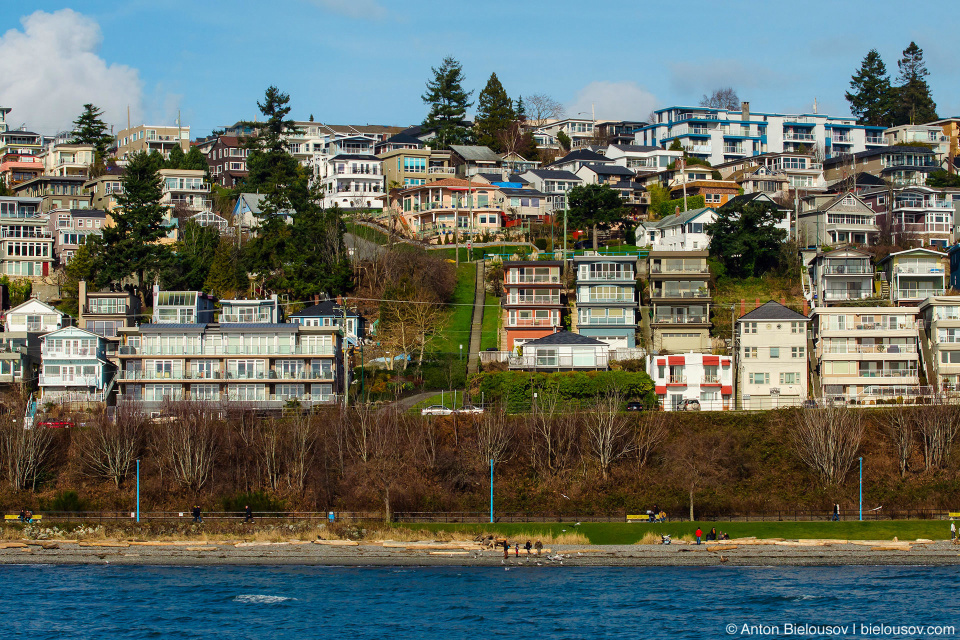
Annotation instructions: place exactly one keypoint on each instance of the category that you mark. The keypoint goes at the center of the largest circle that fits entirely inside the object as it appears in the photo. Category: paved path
(476, 329)
(406, 403)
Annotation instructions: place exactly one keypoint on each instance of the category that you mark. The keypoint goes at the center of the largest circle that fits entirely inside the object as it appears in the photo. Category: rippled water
(444, 602)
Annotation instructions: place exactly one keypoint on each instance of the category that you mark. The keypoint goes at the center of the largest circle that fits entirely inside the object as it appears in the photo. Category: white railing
(598, 299)
(623, 276)
(870, 348)
(515, 278)
(680, 319)
(604, 321)
(69, 381)
(680, 294)
(919, 270)
(596, 361)
(798, 137)
(209, 350)
(441, 170)
(846, 294)
(916, 294)
(533, 300)
(533, 322)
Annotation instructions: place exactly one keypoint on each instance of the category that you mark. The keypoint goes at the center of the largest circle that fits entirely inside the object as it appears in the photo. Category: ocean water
(445, 602)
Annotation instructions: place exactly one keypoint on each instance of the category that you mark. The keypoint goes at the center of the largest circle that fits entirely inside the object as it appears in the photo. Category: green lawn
(490, 329)
(623, 533)
(457, 331)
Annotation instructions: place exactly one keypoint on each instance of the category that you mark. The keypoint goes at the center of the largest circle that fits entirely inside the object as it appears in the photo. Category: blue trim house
(606, 307)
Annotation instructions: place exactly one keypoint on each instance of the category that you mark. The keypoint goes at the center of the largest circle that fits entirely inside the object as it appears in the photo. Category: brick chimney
(757, 305)
(743, 307)
(783, 301)
(806, 309)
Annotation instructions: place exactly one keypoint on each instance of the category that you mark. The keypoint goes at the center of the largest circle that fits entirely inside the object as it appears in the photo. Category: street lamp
(491, 490)
(861, 488)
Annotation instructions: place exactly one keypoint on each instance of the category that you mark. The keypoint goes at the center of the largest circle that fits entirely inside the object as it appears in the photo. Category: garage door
(615, 342)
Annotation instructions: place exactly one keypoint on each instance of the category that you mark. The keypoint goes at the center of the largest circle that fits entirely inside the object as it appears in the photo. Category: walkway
(479, 299)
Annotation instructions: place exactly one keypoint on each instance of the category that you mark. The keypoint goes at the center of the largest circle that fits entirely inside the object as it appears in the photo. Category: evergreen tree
(187, 266)
(175, 161)
(915, 105)
(521, 110)
(495, 114)
(675, 145)
(227, 278)
(89, 128)
(129, 247)
(195, 160)
(448, 105)
(746, 240)
(870, 94)
(564, 141)
(594, 205)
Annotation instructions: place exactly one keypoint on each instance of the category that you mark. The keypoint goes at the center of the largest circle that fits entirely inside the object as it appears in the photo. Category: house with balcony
(841, 276)
(561, 351)
(20, 341)
(16, 168)
(606, 305)
(150, 138)
(914, 275)
(68, 159)
(72, 228)
(437, 208)
(682, 231)
(470, 159)
(577, 158)
(922, 214)
(183, 307)
(930, 134)
(901, 166)
(26, 243)
(227, 159)
(865, 354)
(352, 181)
(642, 160)
(775, 173)
(555, 184)
(410, 163)
(74, 367)
(185, 188)
(940, 341)
(56, 192)
(705, 378)
(680, 299)
(772, 357)
(330, 313)
(831, 219)
(531, 300)
(105, 313)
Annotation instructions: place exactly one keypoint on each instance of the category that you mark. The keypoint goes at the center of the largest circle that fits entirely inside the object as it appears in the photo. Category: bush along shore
(595, 462)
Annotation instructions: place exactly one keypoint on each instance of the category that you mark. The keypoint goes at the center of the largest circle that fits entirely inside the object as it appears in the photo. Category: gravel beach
(428, 553)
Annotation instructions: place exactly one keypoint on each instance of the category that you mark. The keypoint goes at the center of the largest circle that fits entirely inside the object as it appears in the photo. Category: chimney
(316, 298)
(757, 305)
(783, 301)
(745, 111)
(806, 309)
(82, 297)
(743, 307)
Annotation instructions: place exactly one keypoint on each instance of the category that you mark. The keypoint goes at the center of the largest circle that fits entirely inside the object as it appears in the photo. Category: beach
(745, 552)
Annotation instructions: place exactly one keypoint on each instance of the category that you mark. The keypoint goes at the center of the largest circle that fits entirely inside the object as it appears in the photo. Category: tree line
(876, 101)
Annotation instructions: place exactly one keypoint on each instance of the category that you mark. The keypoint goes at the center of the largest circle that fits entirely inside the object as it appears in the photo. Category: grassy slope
(457, 331)
(623, 533)
(491, 323)
(731, 292)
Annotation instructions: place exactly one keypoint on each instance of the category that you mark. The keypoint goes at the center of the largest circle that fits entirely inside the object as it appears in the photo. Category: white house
(74, 366)
(772, 352)
(683, 231)
(561, 350)
(692, 376)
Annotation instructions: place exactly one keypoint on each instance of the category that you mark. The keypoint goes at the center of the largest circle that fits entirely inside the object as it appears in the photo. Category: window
(749, 327)
(774, 352)
(790, 378)
(796, 327)
(750, 352)
(797, 352)
(950, 357)
(759, 378)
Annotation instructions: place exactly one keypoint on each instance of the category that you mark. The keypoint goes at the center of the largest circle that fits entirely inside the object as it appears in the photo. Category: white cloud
(612, 101)
(51, 68)
(358, 9)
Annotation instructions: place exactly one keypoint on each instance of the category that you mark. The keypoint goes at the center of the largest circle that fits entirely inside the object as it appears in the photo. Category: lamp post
(491, 490)
(861, 488)
(138, 489)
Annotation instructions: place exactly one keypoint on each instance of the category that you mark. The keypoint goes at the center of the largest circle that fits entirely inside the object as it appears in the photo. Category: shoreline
(429, 554)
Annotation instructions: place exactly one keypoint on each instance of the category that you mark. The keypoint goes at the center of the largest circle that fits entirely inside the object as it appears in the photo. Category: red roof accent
(661, 362)
(726, 390)
(711, 360)
(726, 362)
(660, 390)
(675, 359)
(709, 384)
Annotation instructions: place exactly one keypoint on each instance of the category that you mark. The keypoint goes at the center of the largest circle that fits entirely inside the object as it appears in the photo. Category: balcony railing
(919, 270)
(599, 299)
(179, 374)
(677, 379)
(607, 276)
(557, 362)
(35, 232)
(697, 269)
(680, 294)
(515, 278)
(210, 350)
(733, 149)
(847, 294)
(680, 319)
(842, 139)
(69, 381)
(533, 299)
(916, 294)
(875, 140)
(889, 373)
(798, 137)
(533, 322)
(848, 270)
(605, 321)
(870, 348)
(435, 170)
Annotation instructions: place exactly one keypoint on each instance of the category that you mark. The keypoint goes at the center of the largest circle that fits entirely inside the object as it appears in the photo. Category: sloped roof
(609, 169)
(565, 337)
(773, 311)
(554, 174)
(747, 198)
(473, 153)
(583, 155)
(327, 308)
(674, 219)
(872, 153)
(914, 250)
(404, 138)
(253, 200)
(635, 148)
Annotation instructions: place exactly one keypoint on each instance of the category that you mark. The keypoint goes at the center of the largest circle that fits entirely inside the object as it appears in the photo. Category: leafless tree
(386, 458)
(899, 425)
(26, 452)
(270, 448)
(187, 443)
(938, 424)
(492, 432)
(541, 108)
(302, 436)
(828, 440)
(722, 98)
(109, 448)
(696, 459)
(650, 433)
(554, 435)
(608, 432)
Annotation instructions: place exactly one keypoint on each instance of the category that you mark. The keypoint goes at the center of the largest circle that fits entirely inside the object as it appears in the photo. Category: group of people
(537, 546)
(656, 515)
(26, 516)
(712, 536)
(198, 518)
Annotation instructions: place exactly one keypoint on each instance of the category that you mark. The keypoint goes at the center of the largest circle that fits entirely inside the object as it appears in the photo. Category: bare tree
(302, 435)
(554, 434)
(108, 449)
(492, 431)
(26, 453)
(650, 433)
(696, 459)
(899, 424)
(187, 443)
(387, 456)
(541, 108)
(828, 440)
(608, 431)
(722, 98)
(938, 424)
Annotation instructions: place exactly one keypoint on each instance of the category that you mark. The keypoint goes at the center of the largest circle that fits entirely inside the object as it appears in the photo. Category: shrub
(258, 501)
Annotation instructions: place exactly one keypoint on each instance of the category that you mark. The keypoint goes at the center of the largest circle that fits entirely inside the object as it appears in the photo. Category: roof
(873, 153)
(674, 219)
(939, 254)
(582, 155)
(262, 326)
(636, 148)
(253, 200)
(747, 198)
(498, 177)
(511, 191)
(172, 327)
(448, 182)
(88, 213)
(472, 153)
(773, 311)
(327, 308)
(533, 263)
(565, 337)
(404, 138)
(554, 174)
(369, 157)
(609, 169)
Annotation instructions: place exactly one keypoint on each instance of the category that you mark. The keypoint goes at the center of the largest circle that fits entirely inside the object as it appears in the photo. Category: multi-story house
(841, 276)
(555, 184)
(772, 357)
(105, 313)
(531, 300)
(68, 159)
(20, 142)
(682, 231)
(561, 351)
(330, 313)
(26, 243)
(715, 193)
(75, 369)
(440, 207)
(940, 341)
(247, 212)
(642, 160)
(578, 158)
(244, 359)
(182, 307)
(901, 166)
(352, 181)
(56, 192)
(71, 228)
(521, 206)
(469, 159)
(920, 213)
(606, 304)
(103, 191)
(929, 134)
(185, 188)
(16, 168)
(22, 328)
(148, 138)
(722, 135)
(775, 173)
(581, 131)
(708, 379)
(680, 300)
(914, 275)
(866, 353)
(409, 166)
(227, 159)
(832, 219)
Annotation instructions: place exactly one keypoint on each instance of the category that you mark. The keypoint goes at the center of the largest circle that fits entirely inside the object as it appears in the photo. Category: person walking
(247, 514)
(506, 549)
(528, 546)
(538, 546)
(698, 534)
(196, 514)
(516, 550)
(953, 531)
(836, 513)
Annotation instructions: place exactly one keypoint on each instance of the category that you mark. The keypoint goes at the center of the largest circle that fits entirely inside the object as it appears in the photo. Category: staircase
(816, 391)
(884, 287)
(807, 285)
(929, 366)
(30, 413)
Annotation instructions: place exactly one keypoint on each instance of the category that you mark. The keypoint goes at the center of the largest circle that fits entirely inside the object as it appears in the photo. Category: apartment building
(775, 173)
(940, 341)
(722, 135)
(531, 300)
(352, 181)
(185, 188)
(227, 159)
(708, 379)
(150, 138)
(439, 207)
(929, 134)
(67, 159)
(920, 212)
(244, 358)
(75, 369)
(408, 166)
(914, 275)
(555, 184)
(901, 166)
(830, 219)
(867, 353)
(105, 313)
(606, 305)
(16, 168)
(56, 192)
(682, 231)
(26, 243)
(841, 276)
(640, 159)
(72, 228)
(772, 357)
(680, 299)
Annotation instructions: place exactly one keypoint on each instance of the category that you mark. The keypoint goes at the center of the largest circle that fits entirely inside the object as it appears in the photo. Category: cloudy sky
(366, 61)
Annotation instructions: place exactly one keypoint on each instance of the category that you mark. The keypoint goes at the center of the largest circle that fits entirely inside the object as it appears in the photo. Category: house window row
(29, 249)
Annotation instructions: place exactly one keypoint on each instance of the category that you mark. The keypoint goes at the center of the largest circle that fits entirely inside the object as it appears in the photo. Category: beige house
(940, 341)
(411, 167)
(152, 138)
(772, 357)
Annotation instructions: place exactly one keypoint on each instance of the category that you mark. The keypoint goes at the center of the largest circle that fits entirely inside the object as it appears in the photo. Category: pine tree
(594, 205)
(271, 170)
(915, 105)
(746, 239)
(129, 247)
(89, 128)
(227, 278)
(195, 160)
(495, 114)
(175, 161)
(448, 105)
(521, 110)
(871, 96)
(187, 268)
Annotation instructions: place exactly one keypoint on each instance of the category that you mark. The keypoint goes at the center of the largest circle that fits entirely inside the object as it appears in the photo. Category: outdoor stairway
(927, 354)
(476, 328)
(815, 388)
(30, 413)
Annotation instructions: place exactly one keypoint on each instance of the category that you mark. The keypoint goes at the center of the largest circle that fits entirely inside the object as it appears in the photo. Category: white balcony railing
(870, 348)
(515, 278)
(238, 350)
(533, 322)
(916, 294)
(533, 300)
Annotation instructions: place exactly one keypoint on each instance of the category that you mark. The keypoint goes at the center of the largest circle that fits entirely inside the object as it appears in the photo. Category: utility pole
(346, 357)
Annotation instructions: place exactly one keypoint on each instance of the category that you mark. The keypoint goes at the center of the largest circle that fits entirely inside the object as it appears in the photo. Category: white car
(469, 408)
(436, 410)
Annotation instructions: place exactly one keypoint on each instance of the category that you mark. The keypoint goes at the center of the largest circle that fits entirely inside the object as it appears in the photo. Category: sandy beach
(430, 553)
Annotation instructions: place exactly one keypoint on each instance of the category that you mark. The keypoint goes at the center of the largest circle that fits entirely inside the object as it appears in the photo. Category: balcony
(69, 381)
(789, 136)
(699, 148)
(677, 379)
(870, 348)
(441, 170)
(607, 276)
(27, 234)
(659, 319)
(889, 373)
(215, 375)
(590, 299)
(840, 270)
(90, 354)
(516, 278)
(659, 294)
(601, 321)
(239, 350)
(533, 322)
(916, 294)
(234, 318)
(594, 361)
(554, 300)
(918, 270)
(841, 139)
(733, 150)
(846, 294)
(876, 140)
(656, 270)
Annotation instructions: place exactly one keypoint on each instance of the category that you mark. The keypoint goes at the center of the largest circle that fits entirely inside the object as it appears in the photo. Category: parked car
(634, 406)
(436, 410)
(469, 408)
(689, 405)
(55, 424)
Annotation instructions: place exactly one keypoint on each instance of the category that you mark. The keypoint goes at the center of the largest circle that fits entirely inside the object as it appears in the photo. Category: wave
(261, 599)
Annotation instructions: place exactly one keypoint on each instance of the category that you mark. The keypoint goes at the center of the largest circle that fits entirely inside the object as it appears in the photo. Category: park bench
(7, 518)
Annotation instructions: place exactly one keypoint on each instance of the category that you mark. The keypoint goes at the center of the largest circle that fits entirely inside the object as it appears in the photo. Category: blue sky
(366, 61)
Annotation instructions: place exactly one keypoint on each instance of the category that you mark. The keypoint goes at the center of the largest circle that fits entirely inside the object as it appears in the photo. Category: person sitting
(28, 517)
(713, 534)
(724, 536)
(23, 515)
(663, 516)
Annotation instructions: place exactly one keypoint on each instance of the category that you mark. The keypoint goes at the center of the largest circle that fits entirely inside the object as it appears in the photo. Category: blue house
(606, 304)
(329, 313)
